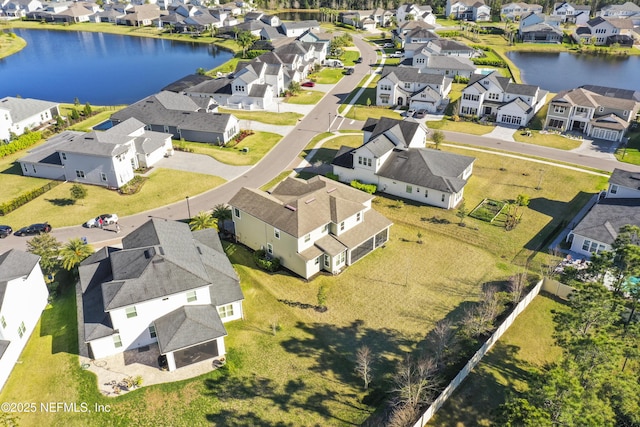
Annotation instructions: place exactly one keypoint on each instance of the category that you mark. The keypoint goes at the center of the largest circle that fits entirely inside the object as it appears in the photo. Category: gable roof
(625, 178)
(604, 220)
(297, 207)
(413, 75)
(402, 130)
(23, 108)
(14, 264)
(427, 168)
(187, 326)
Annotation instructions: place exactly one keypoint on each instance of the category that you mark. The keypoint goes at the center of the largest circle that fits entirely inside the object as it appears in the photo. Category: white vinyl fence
(448, 391)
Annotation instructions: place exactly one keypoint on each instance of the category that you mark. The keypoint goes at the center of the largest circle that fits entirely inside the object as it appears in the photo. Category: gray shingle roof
(625, 178)
(188, 326)
(413, 75)
(605, 219)
(23, 108)
(186, 82)
(404, 130)
(14, 264)
(47, 152)
(428, 168)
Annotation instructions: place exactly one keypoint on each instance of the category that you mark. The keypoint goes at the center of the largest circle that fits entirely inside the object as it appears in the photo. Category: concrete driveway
(200, 163)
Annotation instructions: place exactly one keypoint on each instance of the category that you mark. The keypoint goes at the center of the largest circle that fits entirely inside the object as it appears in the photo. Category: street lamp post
(188, 208)
(329, 122)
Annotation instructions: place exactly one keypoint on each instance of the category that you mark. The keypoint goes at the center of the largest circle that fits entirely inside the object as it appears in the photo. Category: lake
(560, 71)
(102, 69)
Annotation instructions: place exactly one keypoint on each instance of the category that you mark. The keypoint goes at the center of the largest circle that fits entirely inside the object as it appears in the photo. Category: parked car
(349, 71)
(308, 84)
(387, 45)
(33, 229)
(420, 114)
(107, 219)
(396, 54)
(410, 112)
(5, 230)
(359, 60)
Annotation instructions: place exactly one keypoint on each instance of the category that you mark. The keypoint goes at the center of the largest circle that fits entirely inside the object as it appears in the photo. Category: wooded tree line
(437, 5)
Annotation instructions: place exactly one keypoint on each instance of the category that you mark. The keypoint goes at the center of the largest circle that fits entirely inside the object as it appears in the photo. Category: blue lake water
(102, 69)
(561, 71)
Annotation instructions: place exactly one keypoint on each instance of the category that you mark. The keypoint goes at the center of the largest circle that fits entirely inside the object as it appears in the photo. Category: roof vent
(291, 208)
(149, 253)
(313, 199)
(161, 250)
(331, 190)
(199, 250)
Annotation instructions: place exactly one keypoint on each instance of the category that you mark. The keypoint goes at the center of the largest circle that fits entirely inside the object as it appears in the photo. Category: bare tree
(517, 286)
(479, 319)
(364, 360)
(403, 416)
(443, 337)
(415, 382)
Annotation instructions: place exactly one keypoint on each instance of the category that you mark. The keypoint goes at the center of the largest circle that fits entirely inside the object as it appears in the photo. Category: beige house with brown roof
(598, 112)
(312, 226)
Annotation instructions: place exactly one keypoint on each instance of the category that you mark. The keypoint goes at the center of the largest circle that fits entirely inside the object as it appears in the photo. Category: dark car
(349, 71)
(420, 114)
(5, 230)
(359, 60)
(308, 84)
(33, 229)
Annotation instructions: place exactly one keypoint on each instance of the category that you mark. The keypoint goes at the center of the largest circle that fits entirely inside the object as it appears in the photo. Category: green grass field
(630, 153)
(461, 126)
(363, 113)
(327, 76)
(282, 119)
(258, 144)
(10, 44)
(327, 152)
(305, 97)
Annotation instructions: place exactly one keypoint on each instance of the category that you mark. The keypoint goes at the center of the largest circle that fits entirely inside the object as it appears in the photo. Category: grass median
(280, 119)
(256, 146)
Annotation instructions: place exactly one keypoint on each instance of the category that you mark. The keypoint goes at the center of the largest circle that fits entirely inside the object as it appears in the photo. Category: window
(442, 199)
(80, 174)
(236, 212)
(269, 248)
(276, 233)
(131, 312)
(494, 96)
(614, 189)
(64, 156)
(407, 85)
(225, 311)
(409, 189)
(558, 109)
(317, 262)
(192, 296)
(586, 244)
(342, 226)
(426, 193)
(470, 97)
(359, 160)
(358, 216)
(152, 331)
(601, 109)
(103, 176)
(22, 329)
(3, 322)
(368, 162)
(307, 237)
(117, 341)
(557, 124)
(327, 261)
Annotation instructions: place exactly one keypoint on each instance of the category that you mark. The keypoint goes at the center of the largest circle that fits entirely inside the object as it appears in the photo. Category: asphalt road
(284, 156)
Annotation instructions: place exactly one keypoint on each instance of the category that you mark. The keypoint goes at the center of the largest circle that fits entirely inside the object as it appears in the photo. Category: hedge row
(23, 141)
(367, 188)
(271, 264)
(448, 33)
(490, 62)
(25, 198)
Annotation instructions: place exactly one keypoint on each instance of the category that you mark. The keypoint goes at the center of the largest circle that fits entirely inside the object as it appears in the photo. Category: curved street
(285, 156)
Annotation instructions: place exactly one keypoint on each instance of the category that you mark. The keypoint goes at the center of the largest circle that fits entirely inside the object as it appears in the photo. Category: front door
(400, 101)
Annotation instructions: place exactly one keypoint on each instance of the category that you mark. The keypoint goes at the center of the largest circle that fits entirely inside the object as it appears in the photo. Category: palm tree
(74, 252)
(221, 213)
(201, 221)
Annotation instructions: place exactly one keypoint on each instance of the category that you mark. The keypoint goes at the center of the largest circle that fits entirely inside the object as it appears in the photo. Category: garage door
(609, 135)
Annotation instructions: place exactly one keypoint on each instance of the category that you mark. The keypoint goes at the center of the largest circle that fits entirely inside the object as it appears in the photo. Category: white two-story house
(513, 11)
(23, 296)
(393, 158)
(597, 231)
(106, 158)
(496, 96)
(407, 86)
(415, 12)
(311, 226)
(605, 31)
(626, 10)
(468, 10)
(595, 111)
(569, 12)
(18, 114)
(167, 286)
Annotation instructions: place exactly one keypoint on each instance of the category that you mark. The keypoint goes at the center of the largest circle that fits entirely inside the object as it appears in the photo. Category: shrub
(270, 264)
(367, 188)
(133, 186)
(22, 199)
(251, 54)
(489, 62)
(181, 146)
(449, 33)
(22, 142)
(460, 79)
(332, 176)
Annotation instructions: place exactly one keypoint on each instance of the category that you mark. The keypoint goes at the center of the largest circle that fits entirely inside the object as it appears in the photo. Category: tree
(368, 102)
(294, 87)
(47, 247)
(221, 213)
(442, 339)
(516, 287)
(364, 359)
(201, 71)
(74, 252)
(202, 221)
(78, 192)
(322, 297)
(438, 138)
(415, 382)
(245, 39)
(462, 213)
(478, 320)
(74, 114)
(76, 101)
(87, 110)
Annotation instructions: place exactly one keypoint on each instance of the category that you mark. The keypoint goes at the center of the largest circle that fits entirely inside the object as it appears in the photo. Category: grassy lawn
(101, 114)
(548, 140)
(281, 119)
(363, 113)
(630, 153)
(349, 57)
(461, 126)
(10, 44)
(163, 187)
(370, 92)
(327, 76)
(227, 67)
(327, 152)
(304, 375)
(527, 345)
(305, 97)
(12, 182)
(259, 144)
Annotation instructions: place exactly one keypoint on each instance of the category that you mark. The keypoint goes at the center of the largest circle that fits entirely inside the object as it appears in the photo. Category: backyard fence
(25, 198)
(477, 357)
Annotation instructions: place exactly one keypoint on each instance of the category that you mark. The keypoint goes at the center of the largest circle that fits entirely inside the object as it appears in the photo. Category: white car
(387, 45)
(107, 219)
(397, 54)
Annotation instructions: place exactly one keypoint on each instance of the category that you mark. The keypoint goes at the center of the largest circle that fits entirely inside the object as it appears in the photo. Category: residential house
(514, 11)
(540, 28)
(416, 38)
(407, 86)
(601, 31)
(596, 112)
(444, 65)
(415, 12)
(468, 10)
(74, 14)
(167, 286)
(398, 35)
(311, 226)
(496, 96)
(18, 114)
(444, 47)
(106, 158)
(23, 296)
(360, 19)
(597, 231)
(188, 19)
(573, 13)
(626, 10)
(184, 117)
(393, 158)
(298, 28)
(141, 16)
(17, 9)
